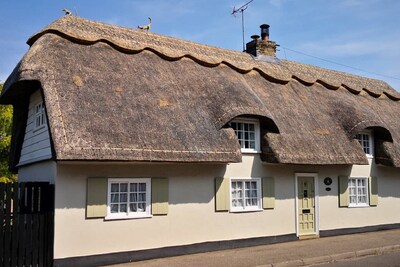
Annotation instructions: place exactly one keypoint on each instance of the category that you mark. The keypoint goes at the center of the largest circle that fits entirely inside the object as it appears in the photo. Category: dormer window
(40, 117)
(248, 134)
(367, 143)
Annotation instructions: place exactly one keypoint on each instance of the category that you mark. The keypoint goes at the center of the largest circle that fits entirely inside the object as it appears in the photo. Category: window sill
(359, 206)
(122, 217)
(246, 210)
(245, 151)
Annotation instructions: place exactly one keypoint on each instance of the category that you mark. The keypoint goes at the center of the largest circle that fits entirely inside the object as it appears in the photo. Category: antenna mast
(241, 10)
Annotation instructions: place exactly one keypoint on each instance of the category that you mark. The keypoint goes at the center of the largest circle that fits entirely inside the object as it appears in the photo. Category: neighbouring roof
(115, 93)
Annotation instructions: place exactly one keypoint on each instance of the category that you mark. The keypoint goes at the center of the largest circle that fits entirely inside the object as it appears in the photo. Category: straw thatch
(114, 93)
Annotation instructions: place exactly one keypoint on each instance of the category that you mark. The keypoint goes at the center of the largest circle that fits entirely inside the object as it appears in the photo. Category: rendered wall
(192, 218)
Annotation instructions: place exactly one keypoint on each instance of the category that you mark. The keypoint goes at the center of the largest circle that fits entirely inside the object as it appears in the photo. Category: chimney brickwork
(262, 46)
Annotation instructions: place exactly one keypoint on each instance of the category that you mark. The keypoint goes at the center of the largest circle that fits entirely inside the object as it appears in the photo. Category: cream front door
(306, 205)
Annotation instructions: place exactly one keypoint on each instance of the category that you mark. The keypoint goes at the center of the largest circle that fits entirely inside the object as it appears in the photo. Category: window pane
(114, 208)
(133, 207)
(142, 187)
(114, 198)
(234, 203)
(239, 185)
(142, 207)
(247, 185)
(234, 184)
(133, 187)
(114, 187)
(253, 185)
(123, 197)
(122, 208)
(123, 187)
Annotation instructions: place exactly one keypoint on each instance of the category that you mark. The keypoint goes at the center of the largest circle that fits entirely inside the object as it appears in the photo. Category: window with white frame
(366, 141)
(248, 134)
(128, 198)
(358, 192)
(40, 116)
(245, 194)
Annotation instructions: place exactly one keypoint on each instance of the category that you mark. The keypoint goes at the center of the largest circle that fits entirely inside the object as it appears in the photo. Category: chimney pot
(264, 32)
(264, 47)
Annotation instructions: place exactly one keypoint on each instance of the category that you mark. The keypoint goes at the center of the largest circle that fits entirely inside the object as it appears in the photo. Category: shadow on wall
(388, 178)
(188, 183)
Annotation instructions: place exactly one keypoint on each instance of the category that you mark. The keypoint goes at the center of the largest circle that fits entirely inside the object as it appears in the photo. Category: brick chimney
(263, 46)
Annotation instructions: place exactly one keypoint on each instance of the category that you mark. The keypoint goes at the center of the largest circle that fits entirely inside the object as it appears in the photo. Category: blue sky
(363, 34)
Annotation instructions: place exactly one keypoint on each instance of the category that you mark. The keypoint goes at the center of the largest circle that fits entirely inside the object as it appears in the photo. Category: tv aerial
(241, 10)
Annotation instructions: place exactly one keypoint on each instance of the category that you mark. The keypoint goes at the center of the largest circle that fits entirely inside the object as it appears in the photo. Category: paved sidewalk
(296, 253)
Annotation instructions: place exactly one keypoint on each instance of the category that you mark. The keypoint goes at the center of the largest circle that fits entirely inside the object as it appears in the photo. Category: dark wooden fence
(26, 224)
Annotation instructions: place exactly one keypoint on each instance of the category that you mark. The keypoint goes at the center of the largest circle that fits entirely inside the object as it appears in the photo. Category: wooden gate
(26, 224)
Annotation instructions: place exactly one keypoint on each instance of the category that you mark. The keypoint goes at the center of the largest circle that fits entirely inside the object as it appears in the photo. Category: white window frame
(245, 208)
(256, 124)
(39, 118)
(356, 204)
(129, 214)
(370, 141)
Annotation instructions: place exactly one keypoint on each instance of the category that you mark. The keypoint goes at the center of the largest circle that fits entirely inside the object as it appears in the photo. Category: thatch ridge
(134, 41)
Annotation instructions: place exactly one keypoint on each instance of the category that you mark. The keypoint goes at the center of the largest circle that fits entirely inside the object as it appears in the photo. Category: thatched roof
(114, 93)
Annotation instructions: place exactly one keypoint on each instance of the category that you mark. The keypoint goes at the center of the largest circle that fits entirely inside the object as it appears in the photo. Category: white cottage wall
(191, 213)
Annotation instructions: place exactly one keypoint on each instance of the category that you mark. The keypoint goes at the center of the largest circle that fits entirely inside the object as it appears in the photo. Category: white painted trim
(370, 134)
(259, 194)
(316, 200)
(133, 215)
(366, 205)
(257, 137)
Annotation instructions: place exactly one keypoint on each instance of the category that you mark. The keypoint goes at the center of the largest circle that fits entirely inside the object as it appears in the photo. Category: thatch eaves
(114, 93)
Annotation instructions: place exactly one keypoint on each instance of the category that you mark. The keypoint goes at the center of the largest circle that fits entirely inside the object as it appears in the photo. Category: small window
(245, 194)
(128, 198)
(366, 141)
(40, 116)
(358, 192)
(248, 134)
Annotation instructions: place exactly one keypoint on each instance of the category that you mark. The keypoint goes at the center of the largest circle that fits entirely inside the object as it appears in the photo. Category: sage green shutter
(96, 201)
(343, 191)
(268, 193)
(222, 194)
(159, 196)
(373, 191)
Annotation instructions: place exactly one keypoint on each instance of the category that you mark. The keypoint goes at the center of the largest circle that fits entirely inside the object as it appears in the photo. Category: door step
(305, 237)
